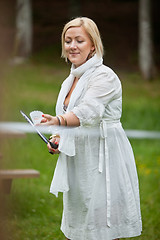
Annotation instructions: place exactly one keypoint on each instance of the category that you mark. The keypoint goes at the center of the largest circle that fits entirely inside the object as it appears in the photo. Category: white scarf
(67, 144)
(82, 72)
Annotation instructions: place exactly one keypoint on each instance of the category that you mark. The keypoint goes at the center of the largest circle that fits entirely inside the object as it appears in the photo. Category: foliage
(31, 212)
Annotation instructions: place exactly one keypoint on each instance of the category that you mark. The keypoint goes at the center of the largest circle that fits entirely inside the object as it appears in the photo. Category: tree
(146, 60)
(23, 37)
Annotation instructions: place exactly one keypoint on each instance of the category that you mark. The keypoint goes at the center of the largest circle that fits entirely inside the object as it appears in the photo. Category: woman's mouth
(73, 53)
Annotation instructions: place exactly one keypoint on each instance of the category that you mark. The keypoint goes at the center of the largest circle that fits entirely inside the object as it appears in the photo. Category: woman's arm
(68, 119)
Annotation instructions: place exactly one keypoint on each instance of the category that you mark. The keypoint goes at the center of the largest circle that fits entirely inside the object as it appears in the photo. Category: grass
(30, 212)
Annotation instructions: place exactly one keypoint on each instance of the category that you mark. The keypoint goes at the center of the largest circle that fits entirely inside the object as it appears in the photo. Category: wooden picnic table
(6, 177)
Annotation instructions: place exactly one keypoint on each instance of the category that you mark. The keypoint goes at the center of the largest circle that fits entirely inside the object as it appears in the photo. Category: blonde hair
(92, 31)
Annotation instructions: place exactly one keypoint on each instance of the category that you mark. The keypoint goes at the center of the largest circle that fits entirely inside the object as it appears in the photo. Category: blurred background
(31, 73)
(30, 26)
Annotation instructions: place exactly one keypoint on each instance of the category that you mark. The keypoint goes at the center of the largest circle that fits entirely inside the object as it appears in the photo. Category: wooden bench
(6, 177)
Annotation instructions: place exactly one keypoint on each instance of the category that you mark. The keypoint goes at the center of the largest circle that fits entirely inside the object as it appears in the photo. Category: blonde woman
(96, 173)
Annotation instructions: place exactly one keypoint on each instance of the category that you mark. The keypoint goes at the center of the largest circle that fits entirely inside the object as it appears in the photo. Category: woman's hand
(49, 120)
(68, 119)
(54, 139)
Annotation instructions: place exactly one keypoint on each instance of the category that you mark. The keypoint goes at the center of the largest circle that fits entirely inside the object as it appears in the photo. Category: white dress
(96, 173)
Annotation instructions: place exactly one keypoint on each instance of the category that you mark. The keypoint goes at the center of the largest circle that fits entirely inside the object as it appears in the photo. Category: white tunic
(96, 173)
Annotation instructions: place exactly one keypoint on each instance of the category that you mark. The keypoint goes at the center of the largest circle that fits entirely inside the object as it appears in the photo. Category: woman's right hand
(54, 139)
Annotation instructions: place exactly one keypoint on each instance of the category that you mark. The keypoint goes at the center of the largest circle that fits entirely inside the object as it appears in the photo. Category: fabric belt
(104, 159)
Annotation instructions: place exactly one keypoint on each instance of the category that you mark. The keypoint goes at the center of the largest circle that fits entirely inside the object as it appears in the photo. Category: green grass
(30, 212)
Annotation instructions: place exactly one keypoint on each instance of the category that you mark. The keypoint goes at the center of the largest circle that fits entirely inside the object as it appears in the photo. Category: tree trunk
(23, 38)
(146, 61)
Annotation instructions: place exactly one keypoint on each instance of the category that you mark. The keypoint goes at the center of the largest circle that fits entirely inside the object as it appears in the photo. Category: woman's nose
(73, 45)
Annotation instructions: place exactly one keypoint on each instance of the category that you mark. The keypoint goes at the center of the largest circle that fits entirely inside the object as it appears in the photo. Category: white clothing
(97, 174)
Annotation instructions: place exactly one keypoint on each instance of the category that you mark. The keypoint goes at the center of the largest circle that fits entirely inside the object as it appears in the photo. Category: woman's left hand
(49, 120)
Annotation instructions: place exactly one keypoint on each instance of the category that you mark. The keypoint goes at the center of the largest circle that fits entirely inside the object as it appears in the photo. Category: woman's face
(77, 45)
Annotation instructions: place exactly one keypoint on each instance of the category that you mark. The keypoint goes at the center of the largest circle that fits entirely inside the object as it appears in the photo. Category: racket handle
(53, 145)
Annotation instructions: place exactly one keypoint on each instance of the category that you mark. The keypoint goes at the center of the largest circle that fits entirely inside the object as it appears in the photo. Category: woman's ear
(92, 52)
(93, 48)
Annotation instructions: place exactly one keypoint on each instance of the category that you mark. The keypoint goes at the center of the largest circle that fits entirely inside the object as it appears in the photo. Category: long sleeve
(102, 89)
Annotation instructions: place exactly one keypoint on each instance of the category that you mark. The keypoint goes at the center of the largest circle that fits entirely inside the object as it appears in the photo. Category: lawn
(30, 212)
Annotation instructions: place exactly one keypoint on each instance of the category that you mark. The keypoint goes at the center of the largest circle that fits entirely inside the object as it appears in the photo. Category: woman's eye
(69, 41)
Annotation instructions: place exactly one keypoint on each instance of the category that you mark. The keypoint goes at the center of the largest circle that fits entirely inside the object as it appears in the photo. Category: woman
(96, 173)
